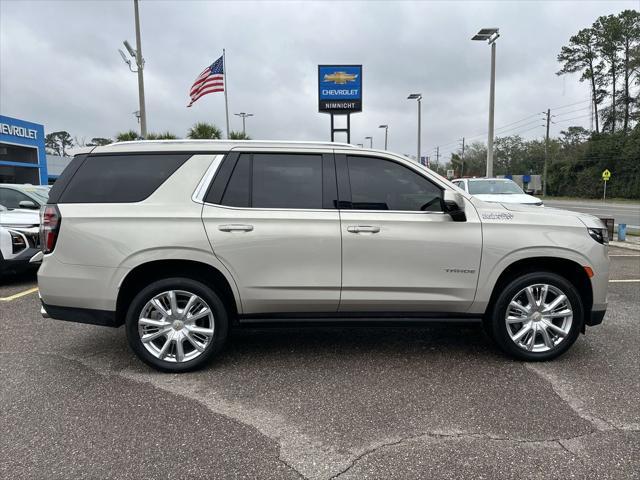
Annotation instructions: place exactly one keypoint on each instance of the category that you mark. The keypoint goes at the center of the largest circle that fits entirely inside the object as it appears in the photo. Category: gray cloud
(59, 65)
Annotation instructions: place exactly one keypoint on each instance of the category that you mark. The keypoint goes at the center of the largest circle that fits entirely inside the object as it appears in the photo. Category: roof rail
(239, 142)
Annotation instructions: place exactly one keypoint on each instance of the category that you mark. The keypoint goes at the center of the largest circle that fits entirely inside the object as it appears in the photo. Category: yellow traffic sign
(606, 175)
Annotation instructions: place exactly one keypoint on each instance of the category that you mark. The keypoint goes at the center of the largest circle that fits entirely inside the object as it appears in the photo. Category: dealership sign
(18, 131)
(340, 88)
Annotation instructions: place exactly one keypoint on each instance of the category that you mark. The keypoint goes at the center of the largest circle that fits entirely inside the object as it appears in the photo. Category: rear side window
(120, 178)
(276, 181)
(378, 184)
(238, 189)
(287, 181)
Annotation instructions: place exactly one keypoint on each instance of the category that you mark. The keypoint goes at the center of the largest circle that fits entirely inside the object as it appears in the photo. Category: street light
(370, 141)
(137, 55)
(490, 35)
(386, 133)
(418, 97)
(243, 115)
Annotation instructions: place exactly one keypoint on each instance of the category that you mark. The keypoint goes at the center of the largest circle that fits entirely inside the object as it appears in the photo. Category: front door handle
(235, 228)
(363, 229)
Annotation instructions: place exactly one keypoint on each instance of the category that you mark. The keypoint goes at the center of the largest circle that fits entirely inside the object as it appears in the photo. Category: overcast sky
(59, 65)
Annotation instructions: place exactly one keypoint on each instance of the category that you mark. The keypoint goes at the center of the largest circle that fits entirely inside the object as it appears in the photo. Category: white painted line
(629, 280)
(18, 295)
(637, 256)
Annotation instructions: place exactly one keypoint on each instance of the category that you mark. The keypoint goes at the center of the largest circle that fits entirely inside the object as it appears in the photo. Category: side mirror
(454, 205)
(28, 204)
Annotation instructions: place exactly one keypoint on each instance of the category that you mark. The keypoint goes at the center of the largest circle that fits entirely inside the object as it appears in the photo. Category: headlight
(600, 235)
(18, 241)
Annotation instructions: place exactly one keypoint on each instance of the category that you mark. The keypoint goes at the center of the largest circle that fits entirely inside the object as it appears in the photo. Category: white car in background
(500, 190)
(19, 238)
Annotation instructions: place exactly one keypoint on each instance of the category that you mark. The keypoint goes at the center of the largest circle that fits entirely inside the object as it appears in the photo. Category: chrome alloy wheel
(539, 318)
(176, 326)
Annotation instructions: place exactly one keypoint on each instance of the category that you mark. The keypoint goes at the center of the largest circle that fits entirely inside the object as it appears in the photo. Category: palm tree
(238, 136)
(127, 136)
(204, 131)
(161, 136)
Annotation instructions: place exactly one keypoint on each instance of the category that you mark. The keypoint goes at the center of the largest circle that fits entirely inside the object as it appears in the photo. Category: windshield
(493, 187)
(40, 193)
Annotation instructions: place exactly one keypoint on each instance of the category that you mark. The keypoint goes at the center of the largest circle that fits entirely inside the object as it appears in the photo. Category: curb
(625, 245)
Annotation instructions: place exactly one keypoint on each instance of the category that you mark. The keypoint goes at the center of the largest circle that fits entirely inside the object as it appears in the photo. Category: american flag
(209, 81)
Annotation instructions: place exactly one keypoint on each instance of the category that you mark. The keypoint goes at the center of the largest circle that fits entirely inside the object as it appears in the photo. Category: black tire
(499, 326)
(220, 319)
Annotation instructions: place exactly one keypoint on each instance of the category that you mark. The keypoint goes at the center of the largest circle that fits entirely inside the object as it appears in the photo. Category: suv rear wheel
(176, 324)
(537, 316)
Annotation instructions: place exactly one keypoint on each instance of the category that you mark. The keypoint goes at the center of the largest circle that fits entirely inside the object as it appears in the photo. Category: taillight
(50, 219)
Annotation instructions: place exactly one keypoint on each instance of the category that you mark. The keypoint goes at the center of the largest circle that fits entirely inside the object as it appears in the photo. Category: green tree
(128, 136)
(58, 142)
(204, 131)
(630, 40)
(99, 141)
(608, 34)
(161, 136)
(573, 136)
(238, 136)
(581, 56)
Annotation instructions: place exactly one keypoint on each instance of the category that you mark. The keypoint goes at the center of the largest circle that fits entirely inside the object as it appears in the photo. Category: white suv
(181, 240)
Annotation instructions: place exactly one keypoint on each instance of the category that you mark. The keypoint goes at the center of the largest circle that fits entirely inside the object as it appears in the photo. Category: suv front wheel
(537, 316)
(176, 324)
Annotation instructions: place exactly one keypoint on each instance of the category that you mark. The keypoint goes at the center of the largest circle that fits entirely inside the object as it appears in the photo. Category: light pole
(386, 134)
(370, 141)
(243, 115)
(137, 55)
(490, 35)
(418, 96)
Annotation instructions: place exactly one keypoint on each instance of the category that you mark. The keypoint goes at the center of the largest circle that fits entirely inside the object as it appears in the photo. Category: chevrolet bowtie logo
(340, 78)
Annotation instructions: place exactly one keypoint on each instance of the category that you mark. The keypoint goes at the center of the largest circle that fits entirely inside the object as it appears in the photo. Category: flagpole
(226, 87)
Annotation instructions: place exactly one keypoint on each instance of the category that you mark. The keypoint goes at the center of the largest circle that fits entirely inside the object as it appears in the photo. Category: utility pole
(490, 35)
(438, 155)
(386, 134)
(370, 141)
(140, 63)
(243, 115)
(546, 155)
(492, 96)
(418, 97)
(462, 165)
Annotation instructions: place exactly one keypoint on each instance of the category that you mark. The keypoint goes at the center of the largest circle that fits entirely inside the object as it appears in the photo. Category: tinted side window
(237, 193)
(10, 198)
(120, 178)
(378, 184)
(287, 181)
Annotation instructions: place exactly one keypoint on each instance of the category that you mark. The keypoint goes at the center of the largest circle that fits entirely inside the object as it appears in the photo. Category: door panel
(282, 261)
(418, 261)
(268, 226)
(400, 252)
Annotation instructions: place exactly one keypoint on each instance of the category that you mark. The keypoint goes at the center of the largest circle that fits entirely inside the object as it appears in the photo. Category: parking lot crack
(563, 443)
(576, 404)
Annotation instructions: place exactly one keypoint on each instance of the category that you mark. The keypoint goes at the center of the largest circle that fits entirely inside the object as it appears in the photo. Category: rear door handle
(235, 228)
(363, 229)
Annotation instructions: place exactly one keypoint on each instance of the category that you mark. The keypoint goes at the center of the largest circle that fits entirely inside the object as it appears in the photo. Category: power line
(570, 119)
(520, 126)
(560, 107)
(573, 111)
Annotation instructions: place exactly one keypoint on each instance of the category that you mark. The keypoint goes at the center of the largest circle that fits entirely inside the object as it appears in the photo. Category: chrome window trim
(203, 186)
(313, 210)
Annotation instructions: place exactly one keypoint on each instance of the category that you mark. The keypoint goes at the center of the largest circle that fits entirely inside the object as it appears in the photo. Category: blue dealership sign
(340, 88)
(22, 145)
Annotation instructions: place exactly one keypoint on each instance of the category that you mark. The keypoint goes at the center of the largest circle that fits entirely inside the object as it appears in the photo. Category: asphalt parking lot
(435, 401)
